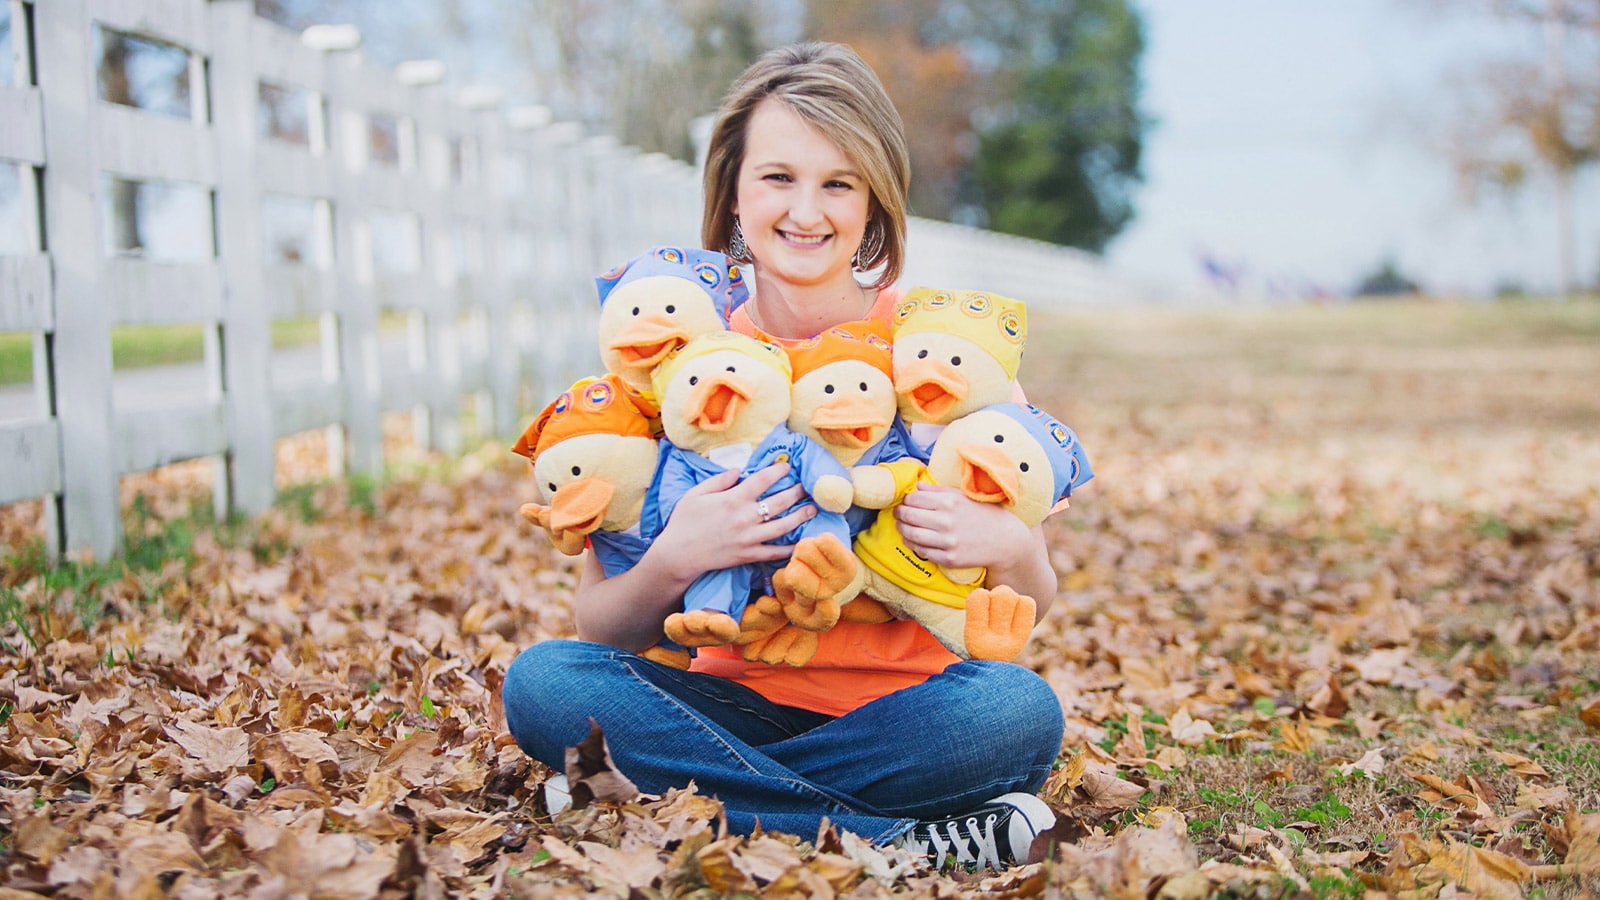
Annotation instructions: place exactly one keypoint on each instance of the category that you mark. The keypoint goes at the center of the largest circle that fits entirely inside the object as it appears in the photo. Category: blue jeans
(964, 736)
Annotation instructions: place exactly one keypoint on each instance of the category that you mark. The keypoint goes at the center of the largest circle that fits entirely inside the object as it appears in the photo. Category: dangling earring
(871, 247)
(738, 250)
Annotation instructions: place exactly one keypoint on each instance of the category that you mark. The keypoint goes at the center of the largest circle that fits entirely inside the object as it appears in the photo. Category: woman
(884, 733)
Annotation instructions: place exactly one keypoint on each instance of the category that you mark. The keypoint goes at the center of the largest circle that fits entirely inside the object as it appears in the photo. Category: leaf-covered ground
(1329, 622)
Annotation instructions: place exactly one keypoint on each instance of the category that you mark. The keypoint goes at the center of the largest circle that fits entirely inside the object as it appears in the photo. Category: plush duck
(955, 352)
(656, 302)
(725, 404)
(843, 399)
(594, 454)
(1011, 454)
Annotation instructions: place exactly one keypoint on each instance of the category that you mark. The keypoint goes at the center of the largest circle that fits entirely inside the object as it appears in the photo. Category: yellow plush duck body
(1009, 454)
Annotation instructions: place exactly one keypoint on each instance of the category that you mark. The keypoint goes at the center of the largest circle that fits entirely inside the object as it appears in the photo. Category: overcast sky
(1286, 150)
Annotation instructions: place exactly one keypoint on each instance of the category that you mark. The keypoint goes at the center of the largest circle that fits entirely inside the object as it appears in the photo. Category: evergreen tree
(1060, 156)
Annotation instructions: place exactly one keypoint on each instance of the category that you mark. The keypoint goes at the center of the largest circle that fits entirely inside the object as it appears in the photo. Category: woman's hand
(947, 527)
(718, 523)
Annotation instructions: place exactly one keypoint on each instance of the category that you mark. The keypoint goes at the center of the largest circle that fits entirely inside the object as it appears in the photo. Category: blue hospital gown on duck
(728, 590)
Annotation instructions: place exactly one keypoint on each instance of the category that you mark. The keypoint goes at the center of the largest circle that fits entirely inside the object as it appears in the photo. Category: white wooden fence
(481, 227)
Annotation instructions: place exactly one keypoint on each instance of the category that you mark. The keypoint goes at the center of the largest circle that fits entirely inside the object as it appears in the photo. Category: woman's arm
(714, 526)
(944, 526)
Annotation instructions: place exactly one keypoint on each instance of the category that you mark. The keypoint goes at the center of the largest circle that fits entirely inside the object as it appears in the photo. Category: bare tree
(1517, 118)
(639, 69)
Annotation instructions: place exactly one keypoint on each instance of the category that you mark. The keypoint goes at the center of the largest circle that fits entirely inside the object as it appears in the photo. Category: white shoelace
(987, 853)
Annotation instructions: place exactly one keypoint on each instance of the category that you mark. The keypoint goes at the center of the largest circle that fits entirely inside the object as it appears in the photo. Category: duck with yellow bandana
(955, 352)
(725, 405)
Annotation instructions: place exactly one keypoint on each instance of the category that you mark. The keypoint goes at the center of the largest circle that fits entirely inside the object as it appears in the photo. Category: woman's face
(802, 204)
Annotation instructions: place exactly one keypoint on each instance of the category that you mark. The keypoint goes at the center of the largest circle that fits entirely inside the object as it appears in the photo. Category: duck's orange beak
(988, 475)
(850, 421)
(647, 340)
(715, 402)
(580, 506)
(931, 388)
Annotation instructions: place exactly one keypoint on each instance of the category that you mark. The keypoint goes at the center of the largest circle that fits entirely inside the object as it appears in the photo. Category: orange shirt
(855, 663)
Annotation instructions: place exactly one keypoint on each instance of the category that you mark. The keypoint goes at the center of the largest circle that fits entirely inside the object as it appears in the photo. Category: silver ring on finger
(762, 510)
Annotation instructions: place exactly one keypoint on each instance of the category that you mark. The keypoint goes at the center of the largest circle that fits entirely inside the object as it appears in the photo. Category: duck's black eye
(922, 354)
(576, 471)
(694, 380)
(1023, 467)
(999, 439)
(827, 389)
(863, 387)
(636, 310)
(730, 368)
(955, 360)
(671, 309)
(552, 487)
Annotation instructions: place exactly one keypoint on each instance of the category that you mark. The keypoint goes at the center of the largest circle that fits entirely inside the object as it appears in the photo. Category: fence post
(360, 365)
(495, 281)
(80, 348)
(246, 322)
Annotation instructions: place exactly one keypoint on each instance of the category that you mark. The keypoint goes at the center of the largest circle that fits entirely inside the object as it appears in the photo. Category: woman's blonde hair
(837, 93)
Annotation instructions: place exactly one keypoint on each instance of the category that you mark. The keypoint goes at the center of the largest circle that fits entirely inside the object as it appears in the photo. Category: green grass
(147, 345)
(42, 599)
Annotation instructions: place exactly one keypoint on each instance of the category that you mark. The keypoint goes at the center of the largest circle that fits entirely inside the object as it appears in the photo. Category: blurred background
(228, 223)
(1248, 149)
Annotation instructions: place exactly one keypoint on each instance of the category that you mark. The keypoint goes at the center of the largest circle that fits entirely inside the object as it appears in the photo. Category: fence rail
(140, 200)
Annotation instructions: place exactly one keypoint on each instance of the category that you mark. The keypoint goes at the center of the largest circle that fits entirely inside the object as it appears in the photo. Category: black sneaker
(997, 834)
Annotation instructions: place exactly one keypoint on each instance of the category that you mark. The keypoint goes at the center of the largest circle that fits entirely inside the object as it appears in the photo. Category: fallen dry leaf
(1590, 714)
(592, 776)
(1381, 536)
(1521, 765)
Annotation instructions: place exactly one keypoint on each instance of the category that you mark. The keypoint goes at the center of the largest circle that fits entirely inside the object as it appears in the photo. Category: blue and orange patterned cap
(718, 275)
(1068, 462)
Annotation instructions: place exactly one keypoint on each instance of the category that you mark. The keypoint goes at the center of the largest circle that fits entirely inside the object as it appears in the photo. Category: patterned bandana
(591, 406)
(997, 324)
(867, 341)
(718, 275)
(771, 354)
(1068, 462)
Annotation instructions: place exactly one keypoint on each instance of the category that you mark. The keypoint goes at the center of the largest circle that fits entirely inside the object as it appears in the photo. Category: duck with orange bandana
(594, 455)
(844, 400)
